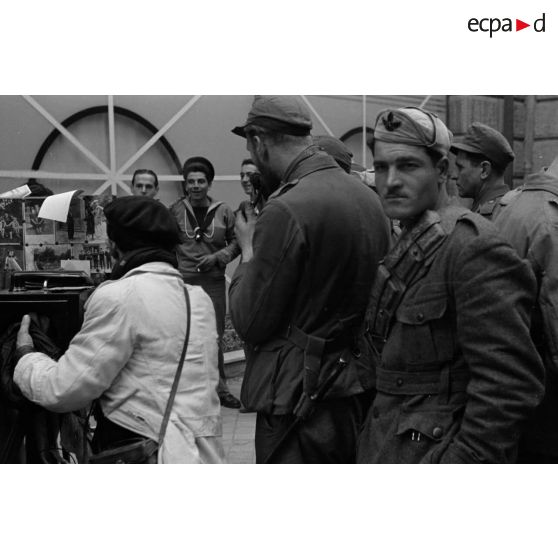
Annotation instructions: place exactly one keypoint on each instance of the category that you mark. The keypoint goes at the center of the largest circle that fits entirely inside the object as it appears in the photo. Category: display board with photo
(11, 258)
(37, 229)
(46, 257)
(11, 221)
(95, 221)
(74, 229)
(98, 256)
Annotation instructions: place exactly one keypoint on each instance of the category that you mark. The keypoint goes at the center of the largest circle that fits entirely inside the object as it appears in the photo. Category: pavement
(238, 429)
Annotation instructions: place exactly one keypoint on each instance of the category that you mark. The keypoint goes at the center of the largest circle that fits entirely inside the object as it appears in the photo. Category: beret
(286, 114)
(137, 221)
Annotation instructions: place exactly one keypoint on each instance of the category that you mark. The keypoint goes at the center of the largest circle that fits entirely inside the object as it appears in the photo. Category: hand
(207, 262)
(23, 337)
(244, 230)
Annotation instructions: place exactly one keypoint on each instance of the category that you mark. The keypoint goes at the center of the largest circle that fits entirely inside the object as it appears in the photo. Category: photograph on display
(95, 221)
(11, 258)
(46, 258)
(98, 256)
(11, 222)
(37, 229)
(74, 229)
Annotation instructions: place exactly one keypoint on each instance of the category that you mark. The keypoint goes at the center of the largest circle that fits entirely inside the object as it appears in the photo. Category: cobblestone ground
(238, 430)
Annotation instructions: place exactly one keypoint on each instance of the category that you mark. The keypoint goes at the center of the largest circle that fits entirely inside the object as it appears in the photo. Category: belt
(395, 382)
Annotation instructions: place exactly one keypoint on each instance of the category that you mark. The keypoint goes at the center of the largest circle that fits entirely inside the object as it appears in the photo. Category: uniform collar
(541, 180)
(490, 193)
(310, 160)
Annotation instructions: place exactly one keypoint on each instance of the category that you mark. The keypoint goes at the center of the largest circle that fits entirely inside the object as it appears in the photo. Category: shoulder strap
(174, 388)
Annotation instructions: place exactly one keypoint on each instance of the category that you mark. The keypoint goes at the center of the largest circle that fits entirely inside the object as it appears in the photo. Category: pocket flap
(420, 312)
(434, 424)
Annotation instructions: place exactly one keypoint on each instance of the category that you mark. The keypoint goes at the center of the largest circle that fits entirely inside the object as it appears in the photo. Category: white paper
(19, 192)
(56, 207)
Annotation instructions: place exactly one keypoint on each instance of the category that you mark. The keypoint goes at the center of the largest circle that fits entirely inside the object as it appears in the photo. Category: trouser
(215, 287)
(329, 435)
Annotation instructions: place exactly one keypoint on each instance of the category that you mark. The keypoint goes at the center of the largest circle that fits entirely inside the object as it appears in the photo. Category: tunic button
(437, 433)
(420, 317)
(375, 412)
(399, 382)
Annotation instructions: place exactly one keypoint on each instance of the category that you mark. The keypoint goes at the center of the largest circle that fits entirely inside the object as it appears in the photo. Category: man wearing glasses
(449, 315)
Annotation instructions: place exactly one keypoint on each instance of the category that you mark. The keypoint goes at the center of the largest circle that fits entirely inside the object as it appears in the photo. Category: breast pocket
(427, 332)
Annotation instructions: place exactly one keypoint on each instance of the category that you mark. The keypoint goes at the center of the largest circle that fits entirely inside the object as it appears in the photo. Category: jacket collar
(541, 181)
(160, 268)
(212, 204)
(312, 159)
(489, 194)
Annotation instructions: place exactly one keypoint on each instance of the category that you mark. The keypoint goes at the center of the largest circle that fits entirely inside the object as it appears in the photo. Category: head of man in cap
(410, 148)
(198, 173)
(337, 149)
(482, 158)
(277, 129)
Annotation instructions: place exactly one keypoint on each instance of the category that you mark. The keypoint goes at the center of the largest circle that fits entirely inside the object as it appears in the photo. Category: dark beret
(137, 221)
(199, 164)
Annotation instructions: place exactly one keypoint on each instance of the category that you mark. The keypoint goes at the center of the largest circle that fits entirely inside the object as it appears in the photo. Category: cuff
(24, 350)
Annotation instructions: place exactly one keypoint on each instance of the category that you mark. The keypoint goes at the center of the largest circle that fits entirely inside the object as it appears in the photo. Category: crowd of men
(384, 322)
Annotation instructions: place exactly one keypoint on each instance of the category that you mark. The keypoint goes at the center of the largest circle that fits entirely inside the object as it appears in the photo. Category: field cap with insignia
(484, 140)
(287, 114)
(413, 126)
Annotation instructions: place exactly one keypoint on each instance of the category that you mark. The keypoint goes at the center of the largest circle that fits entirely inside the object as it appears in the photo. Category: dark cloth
(316, 247)
(216, 289)
(528, 220)
(200, 213)
(328, 436)
(458, 375)
(141, 256)
(108, 434)
(49, 437)
(138, 221)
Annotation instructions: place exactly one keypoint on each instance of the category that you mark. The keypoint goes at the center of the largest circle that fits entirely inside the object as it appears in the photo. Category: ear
(443, 169)
(486, 169)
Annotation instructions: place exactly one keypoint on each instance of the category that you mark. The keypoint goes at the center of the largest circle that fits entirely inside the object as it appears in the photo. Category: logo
(493, 25)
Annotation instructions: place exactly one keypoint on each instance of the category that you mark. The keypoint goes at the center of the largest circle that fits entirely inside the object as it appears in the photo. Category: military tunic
(458, 373)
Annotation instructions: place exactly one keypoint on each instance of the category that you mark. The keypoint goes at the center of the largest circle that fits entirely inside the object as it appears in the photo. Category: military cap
(138, 221)
(287, 114)
(413, 126)
(484, 140)
(337, 149)
(199, 164)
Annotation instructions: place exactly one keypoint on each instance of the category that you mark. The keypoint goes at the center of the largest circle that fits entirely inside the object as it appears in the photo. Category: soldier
(528, 220)
(482, 158)
(299, 295)
(450, 313)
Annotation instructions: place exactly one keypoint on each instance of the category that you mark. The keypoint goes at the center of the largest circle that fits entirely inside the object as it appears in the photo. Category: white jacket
(127, 352)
